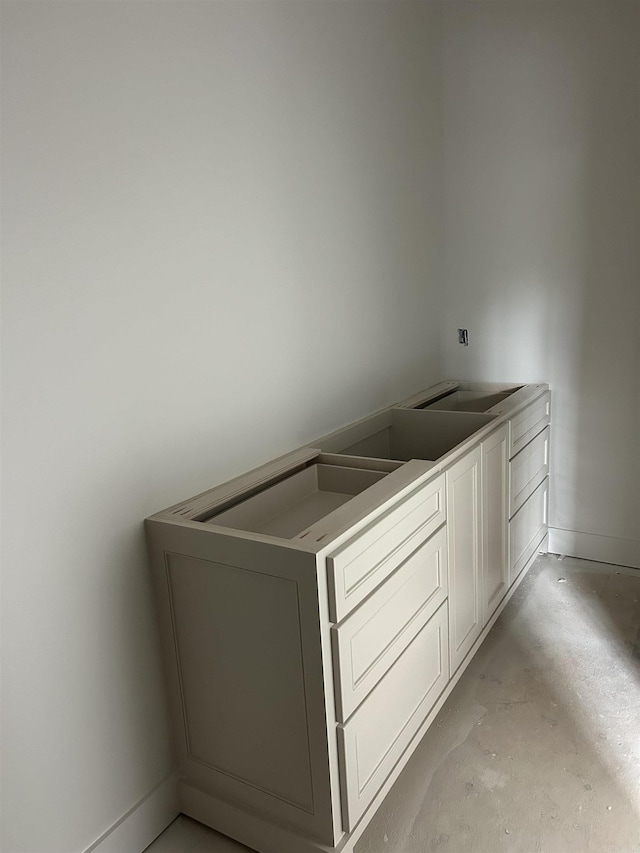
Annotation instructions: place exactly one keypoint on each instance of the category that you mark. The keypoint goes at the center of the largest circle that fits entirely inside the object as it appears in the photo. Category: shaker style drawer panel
(373, 637)
(381, 729)
(361, 564)
(527, 529)
(528, 470)
(528, 423)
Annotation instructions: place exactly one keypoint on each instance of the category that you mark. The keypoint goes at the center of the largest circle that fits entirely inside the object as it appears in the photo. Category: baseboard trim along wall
(144, 821)
(591, 546)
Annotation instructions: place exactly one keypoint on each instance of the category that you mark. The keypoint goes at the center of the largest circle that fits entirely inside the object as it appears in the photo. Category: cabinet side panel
(241, 673)
(248, 674)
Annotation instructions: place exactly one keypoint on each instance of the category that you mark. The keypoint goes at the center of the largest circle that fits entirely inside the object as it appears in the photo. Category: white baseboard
(591, 546)
(143, 822)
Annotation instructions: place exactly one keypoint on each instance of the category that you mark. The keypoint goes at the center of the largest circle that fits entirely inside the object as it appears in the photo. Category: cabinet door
(464, 539)
(495, 505)
(246, 675)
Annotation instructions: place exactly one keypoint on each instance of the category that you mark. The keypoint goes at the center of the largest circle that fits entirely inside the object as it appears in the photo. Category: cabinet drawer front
(381, 729)
(376, 634)
(527, 529)
(361, 564)
(528, 469)
(527, 424)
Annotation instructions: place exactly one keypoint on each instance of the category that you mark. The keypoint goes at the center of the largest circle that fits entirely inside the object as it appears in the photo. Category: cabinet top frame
(398, 477)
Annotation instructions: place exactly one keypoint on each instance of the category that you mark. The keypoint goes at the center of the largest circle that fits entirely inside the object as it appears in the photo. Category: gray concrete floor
(538, 746)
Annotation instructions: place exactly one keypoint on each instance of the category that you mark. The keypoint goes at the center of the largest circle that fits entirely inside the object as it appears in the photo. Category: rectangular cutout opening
(468, 400)
(417, 434)
(287, 508)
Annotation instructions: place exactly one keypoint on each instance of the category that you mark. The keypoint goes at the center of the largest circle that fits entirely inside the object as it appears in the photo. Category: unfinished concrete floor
(538, 746)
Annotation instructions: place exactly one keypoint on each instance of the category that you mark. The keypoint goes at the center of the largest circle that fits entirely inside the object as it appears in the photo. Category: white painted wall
(542, 238)
(221, 239)
(222, 235)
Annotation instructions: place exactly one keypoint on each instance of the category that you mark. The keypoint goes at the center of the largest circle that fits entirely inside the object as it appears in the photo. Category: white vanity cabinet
(252, 580)
(316, 612)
